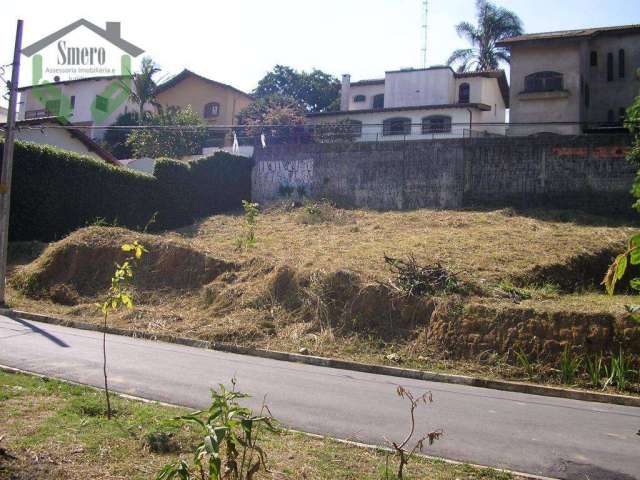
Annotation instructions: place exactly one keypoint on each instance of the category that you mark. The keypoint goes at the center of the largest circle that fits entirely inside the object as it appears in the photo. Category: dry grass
(278, 294)
(56, 431)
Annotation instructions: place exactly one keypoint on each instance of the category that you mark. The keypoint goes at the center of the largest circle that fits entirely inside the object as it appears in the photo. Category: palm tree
(494, 24)
(142, 88)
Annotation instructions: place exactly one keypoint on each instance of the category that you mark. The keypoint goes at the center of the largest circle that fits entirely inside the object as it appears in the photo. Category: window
(463, 93)
(359, 99)
(102, 103)
(211, 110)
(587, 95)
(543, 82)
(610, 118)
(52, 107)
(594, 59)
(621, 66)
(436, 124)
(378, 101)
(396, 126)
(73, 102)
(622, 113)
(609, 67)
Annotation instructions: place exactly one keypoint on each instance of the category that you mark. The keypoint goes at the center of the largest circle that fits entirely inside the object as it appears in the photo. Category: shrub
(55, 192)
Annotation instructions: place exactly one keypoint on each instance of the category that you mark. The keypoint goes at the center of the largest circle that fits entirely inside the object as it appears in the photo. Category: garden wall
(585, 172)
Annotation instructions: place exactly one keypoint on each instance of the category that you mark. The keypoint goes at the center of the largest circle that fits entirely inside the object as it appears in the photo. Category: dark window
(587, 95)
(436, 124)
(397, 126)
(378, 101)
(211, 110)
(359, 99)
(52, 107)
(594, 58)
(73, 102)
(463, 93)
(609, 67)
(543, 82)
(102, 103)
(621, 66)
(622, 113)
(610, 118)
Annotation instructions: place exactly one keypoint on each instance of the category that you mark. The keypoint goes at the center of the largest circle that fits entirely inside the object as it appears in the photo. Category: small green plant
(525, 363)
(631, 256)
(251, 213)
(595, 369)
(569, 365)
(103, 222)
(230, 448)
(514, 293)
(620, 371)
(285, 190)
(301, 190)
(119, 295)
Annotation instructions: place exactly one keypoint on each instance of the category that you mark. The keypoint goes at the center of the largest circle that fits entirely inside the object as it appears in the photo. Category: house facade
(417, 104)
(575, 81)
(86, 95)
(217, 103)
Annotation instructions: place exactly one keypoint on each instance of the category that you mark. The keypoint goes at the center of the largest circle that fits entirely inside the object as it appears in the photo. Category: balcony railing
(29, 114)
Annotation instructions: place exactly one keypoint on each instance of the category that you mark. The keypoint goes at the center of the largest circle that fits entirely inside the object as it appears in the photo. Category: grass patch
(48, 430)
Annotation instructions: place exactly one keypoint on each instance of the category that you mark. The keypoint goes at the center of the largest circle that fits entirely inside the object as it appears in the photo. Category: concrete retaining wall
(585, 172)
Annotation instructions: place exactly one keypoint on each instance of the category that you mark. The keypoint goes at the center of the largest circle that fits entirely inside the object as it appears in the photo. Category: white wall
(369, 91)
(418, 87)
(56, 137)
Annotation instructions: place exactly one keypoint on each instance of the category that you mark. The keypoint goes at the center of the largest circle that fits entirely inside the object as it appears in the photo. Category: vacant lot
(52, 430)
(316, 278)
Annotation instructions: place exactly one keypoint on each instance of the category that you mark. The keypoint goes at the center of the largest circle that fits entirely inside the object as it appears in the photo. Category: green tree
(142, 88)
(115, 139)
(316, 91)
(493, 24)
(281, 119)
(173, 133)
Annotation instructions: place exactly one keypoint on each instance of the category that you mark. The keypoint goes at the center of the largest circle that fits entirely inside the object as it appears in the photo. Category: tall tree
(493, 24)
(317, 91)
(142, 88)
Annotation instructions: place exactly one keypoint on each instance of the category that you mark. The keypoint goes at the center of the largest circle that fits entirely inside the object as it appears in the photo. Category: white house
(3, 114)
(85, 94)
(415, 104)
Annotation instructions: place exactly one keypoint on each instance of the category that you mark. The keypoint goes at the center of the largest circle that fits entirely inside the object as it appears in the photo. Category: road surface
(554, 437)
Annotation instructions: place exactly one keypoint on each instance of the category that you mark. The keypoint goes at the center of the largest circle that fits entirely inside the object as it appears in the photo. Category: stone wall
(585, 172)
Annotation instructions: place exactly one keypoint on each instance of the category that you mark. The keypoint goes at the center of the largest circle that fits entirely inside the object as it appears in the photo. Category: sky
(237, 42)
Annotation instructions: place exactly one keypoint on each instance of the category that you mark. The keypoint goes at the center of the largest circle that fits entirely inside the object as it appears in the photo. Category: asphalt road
(554, 437)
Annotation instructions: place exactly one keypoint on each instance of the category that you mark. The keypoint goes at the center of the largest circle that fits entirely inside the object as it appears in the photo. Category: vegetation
(142, 88)
(115, 139)
(493, 24)
(251, 212)
(279, 118)
(316, 91)
(119, 295)
(56, 192)
(56, 430)
(174, 133)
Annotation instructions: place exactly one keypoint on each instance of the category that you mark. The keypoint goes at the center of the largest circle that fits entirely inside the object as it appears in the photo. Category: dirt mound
(84, 262)
(578, 272)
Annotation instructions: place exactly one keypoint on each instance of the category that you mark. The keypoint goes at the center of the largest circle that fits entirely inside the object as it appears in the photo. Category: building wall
(586, 172)
(433, 86)
(55, 137)
(369, 91)
(197, 93)
(620, 92)
(548, 106)
(85, 93)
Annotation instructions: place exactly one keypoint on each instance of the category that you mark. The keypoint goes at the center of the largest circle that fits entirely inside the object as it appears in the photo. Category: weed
(569, 365)
(230, 447)
(251, 213)
(620, 371)
(416, 280)
(161, 442)
(595, 369)
(514, 293)
(285, 190)
(524, 362)
(89, 406)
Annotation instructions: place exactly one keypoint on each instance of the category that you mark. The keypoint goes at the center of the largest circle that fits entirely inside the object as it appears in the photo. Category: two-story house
(414, 104)
(573, 81)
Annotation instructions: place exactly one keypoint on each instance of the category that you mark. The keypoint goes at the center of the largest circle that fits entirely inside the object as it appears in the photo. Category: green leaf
(635, 256)
(622, 266)
(635, 240)
(635, 284)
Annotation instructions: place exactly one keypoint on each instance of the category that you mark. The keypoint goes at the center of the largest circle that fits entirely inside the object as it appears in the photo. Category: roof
(91, 145)
(478, 106)
(111, 34)
(87, 79)
(184, 74)
(503, 84)
(569, 34)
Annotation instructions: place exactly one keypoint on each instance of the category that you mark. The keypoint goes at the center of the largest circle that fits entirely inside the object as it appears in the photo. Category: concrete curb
(520, 387)
(367, 446)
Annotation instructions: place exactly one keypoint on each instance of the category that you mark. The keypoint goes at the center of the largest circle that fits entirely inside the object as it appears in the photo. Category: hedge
(55, 191)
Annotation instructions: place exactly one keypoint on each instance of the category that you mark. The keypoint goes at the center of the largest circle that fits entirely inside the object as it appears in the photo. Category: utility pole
(425, 18)
(7, 162)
